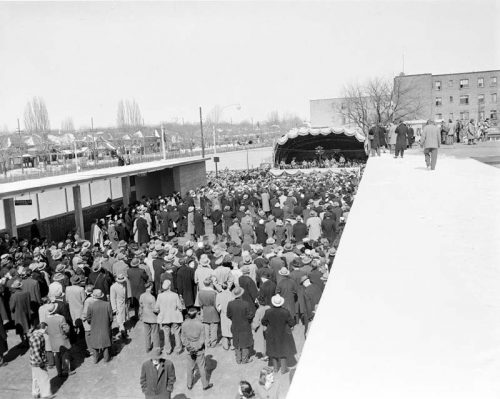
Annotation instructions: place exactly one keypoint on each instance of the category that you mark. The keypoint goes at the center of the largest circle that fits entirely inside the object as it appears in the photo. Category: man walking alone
(430, 142)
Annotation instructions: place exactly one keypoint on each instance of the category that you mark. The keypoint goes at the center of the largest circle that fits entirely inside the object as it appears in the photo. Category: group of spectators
(322, 162)
(236, 263)
(468, 132)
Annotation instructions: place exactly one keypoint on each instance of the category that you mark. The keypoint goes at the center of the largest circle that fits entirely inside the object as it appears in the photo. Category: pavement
(411, 309)
(120, 377)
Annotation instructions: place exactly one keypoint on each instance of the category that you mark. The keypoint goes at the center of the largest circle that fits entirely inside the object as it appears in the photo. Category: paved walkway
(412, 309)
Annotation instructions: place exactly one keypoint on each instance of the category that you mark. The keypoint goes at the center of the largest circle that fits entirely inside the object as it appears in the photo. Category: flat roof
(411, 308)
(12, 189)
(446, 74)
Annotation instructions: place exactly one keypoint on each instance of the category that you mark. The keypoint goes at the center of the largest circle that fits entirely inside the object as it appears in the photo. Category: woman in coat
(100, 317)
(280, 345)
(58, 332)
(258, 329)
(221, 301)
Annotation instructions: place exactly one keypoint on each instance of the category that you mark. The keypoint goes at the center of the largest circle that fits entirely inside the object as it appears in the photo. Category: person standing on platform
(401, 139)
(430, 142)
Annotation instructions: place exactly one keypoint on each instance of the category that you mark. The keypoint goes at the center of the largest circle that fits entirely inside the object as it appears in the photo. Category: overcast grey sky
(82, 58)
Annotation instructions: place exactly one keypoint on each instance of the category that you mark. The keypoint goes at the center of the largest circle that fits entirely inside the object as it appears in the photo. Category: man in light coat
(148, 316)
(118, 297)
(430, 142)
(169, 308)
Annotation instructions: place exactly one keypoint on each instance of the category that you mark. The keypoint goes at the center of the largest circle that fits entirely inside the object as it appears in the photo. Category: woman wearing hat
(280, 345)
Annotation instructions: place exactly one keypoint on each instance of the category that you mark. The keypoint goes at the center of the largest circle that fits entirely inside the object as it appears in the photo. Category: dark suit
(157, 383)
(402, 134)
(241, 314)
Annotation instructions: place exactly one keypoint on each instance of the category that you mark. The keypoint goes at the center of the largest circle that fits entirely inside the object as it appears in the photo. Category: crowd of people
(322, 162)
(236, 263)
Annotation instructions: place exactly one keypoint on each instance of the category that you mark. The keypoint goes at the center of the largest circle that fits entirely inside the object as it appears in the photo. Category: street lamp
(238, 107)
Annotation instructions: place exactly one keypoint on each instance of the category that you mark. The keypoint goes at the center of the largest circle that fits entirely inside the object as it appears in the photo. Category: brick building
(464, 96)
(469, 95)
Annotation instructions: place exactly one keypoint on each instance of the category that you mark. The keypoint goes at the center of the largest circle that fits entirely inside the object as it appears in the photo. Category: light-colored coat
(57, 330)
(431, 137)
(75, 296)
(221, 301)
(147, 308)
(118, 297)
(169, 307)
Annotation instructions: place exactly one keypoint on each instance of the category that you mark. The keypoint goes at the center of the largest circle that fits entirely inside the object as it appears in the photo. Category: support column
(9, 211)
(126, 190)
(77, 200)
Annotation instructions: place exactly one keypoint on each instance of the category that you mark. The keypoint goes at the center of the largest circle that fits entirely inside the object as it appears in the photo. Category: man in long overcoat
(241, 314)
(137, 278)
(328, 225)
(118, 298)
(280, 345)
(288, 289)
(100, 317)
(20, 310)
(401, 139)
(186, 287)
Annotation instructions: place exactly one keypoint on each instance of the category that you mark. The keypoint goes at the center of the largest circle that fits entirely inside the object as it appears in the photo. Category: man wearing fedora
(75, 297)
(169, 309)
(289, 290)
(100, 316)
(118, 298)
(58, 331)
(148, 316)
(157, 376)
(241, 314)
(20, 310)
(280, 344)
(138, 278)
(193, 339)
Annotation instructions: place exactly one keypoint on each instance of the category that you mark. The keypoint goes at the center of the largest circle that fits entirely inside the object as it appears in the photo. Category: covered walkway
(412, 309)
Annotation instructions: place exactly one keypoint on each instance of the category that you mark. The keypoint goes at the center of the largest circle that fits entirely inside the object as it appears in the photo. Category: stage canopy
(301, 144)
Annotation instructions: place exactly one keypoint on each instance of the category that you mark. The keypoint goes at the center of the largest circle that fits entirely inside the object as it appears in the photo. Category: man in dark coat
(329, 227)
(3, 342)
(138, 279)
(142, 229)
(260, 233)
(20, 310)
(35, 232)
(312, 296)
(241, 314)
(100, 317)
(216, 218)
(299, 230)
(374, 137)
(288, 289)
(32, 287)
(157, 376)
(250, 291)
(100, 278)
(186, 287)
(411, 136)
(199, 224)
(158, 267)
(402, 136)
(280, 345)
(268, 286)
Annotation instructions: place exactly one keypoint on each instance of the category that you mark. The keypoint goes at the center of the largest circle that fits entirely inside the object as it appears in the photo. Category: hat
(238, 291)
(277, 300)
(120, 278)
(204, 260)
(107, 243)
(57, 254)
(122, 244)
(277, 205)
(284, 271)
(245, 269)
(247, 259)
(16, 284)
(52, 308)
(270, 241)
(170, 258)
(86, 244)
(279, 222)
(156, 354)
(60, 268)
(191, 209)
(303, 278)
(58, 277)
(75, 279)
(135, 262)
(288, 247)
(97, 294)
(332, 251)
(305, 260)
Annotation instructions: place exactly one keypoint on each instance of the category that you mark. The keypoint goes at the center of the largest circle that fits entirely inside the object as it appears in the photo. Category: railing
(86, 164)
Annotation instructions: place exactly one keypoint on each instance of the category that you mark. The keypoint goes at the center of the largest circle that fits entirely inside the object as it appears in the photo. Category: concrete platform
(412, 309)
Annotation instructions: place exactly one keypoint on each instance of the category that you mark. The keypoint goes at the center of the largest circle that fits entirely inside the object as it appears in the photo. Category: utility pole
(202, 139)
(215, 140)
(20, 145)
(163, 142)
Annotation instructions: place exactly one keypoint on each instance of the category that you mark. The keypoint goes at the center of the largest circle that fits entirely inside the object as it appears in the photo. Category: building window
(437, 85)
(451, 115)
(494, 98)
(451, 99)
(493, 114)
(480, 98)
(439, 101)
(480, 82)
(464, 83)
(450, 83)
(439, 116)
(464, 115)
(493, 81)
(464, 100)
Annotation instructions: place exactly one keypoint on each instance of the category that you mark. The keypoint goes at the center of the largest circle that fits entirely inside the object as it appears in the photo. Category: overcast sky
(82, 58)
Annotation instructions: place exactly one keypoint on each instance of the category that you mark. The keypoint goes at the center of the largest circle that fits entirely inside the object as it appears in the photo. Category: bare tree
(273, 118)
(379, 101)
(36, 117)
(214, 116)
(128, 114)
(67, 125)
